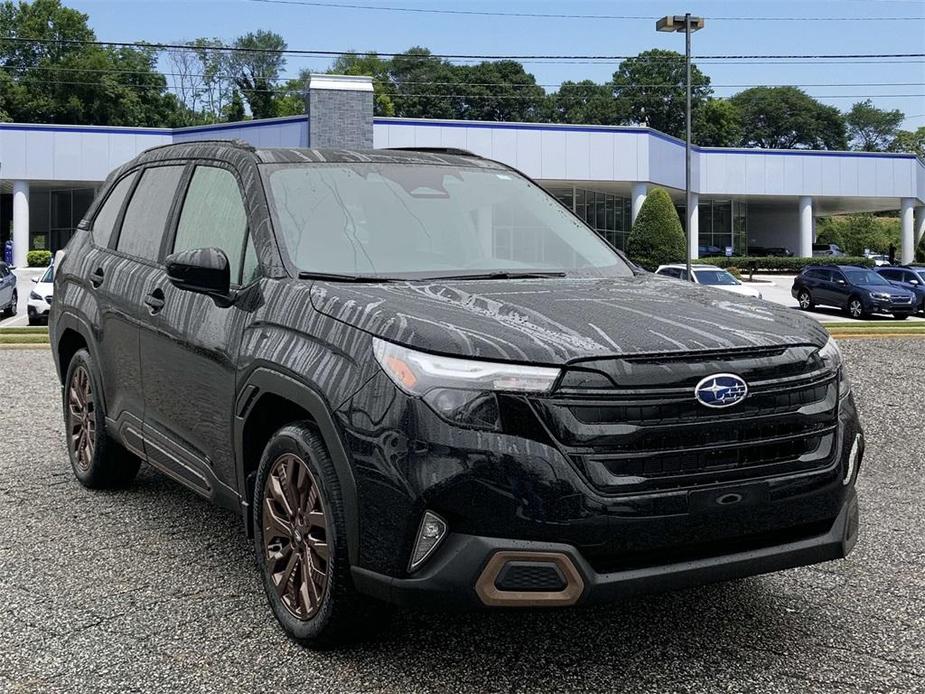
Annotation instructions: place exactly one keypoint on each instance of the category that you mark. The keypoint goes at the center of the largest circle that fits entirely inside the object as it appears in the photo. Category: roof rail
(436, 150)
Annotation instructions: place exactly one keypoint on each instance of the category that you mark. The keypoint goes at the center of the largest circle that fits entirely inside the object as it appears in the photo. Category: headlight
(880, 295)
(33, 295)
(462, 391)
(831, 357)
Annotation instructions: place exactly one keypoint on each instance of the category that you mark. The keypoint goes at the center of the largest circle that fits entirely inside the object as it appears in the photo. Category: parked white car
(710, 275)
(40, 297)
(880, 260)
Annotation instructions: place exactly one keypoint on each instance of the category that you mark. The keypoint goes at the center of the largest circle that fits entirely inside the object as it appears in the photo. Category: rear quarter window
(105, 219)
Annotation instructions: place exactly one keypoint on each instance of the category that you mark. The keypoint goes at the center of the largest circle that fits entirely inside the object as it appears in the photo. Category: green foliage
(857, 232)
(656, 237)
(372, 65)
(499, 91)
(872, 129)
(717, 123)
(791, 264)
(234, 111)
(638, 85)
(910, 141)
(425, 87)
(256, 69)
(582, 102)
(38, 258)
(788, 118)
(63, 79)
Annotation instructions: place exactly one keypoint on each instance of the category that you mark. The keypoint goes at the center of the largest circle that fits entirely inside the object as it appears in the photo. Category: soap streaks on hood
(559, 320)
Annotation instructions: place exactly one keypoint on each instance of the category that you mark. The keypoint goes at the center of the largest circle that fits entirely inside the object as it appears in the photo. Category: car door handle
(97, 277)
(155, 301)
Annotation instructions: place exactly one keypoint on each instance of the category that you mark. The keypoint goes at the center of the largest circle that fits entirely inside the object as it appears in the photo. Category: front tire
(10, 310)
(856, 308)
(300, 541)
(901, 316)
(98, 461)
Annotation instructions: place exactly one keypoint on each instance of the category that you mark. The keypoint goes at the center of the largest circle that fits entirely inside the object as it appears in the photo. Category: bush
(38, 258)
(656, 237)
(856, 232)
(734, 271)
(793, 264)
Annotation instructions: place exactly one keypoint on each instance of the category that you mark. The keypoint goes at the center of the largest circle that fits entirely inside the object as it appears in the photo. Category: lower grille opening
(530, 576)
(608, 563)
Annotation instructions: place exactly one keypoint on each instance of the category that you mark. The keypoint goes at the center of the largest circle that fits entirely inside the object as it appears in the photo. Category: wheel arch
(269, 400)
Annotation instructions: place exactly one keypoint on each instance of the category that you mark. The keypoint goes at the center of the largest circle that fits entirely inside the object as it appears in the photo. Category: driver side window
(214, 216)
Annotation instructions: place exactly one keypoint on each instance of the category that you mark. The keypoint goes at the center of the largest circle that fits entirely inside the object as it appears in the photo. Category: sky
(897, 85)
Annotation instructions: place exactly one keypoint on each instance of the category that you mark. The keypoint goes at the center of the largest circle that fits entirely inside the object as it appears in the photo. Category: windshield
(428, 221)
(715, 277)
(865, 277)
(48, 276)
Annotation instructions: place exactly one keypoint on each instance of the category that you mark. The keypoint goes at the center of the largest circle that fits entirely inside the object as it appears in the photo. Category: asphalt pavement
(152, 589)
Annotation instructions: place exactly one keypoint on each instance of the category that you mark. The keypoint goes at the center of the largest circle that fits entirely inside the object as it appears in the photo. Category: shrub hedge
(38, 258)
(656, 237)
(792, 264)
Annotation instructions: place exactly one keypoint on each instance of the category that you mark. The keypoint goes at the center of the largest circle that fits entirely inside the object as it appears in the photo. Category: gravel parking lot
(153, 589)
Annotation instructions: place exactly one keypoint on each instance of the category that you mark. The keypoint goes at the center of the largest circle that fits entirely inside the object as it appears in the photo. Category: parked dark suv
(908, 277)
(421, 380)
(858, 290)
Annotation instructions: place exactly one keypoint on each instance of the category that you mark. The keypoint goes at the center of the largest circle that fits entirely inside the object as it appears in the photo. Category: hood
(890, 289)
(738, 289)
(553, 321)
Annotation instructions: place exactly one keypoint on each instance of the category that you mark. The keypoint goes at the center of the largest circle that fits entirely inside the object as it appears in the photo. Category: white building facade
(742, 198)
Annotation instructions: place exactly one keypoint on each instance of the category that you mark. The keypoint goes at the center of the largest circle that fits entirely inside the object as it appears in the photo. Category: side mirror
(914, 282)
(35, 280)
(842, 282)
(202, 270)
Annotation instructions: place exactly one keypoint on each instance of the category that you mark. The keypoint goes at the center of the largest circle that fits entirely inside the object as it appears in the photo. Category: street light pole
(688, 25)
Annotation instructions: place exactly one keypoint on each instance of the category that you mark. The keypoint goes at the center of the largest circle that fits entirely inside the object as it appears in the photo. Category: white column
(638, 196)
(693, 225)
(806, 227)
(20, 222)
(907, 233)
(919, 224)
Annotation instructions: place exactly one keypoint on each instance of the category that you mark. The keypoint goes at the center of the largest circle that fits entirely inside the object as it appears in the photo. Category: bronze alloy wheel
(295, 536)
(81, 418)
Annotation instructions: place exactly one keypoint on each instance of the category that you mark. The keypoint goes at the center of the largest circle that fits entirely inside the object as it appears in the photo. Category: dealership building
(742, 198)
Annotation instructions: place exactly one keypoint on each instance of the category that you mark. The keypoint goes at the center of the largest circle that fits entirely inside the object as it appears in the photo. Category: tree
(582, 102)
(234, 109)
(909, 141)
(498, 91)
(656, 237)
(425, 86)
(788, 118)
(856, 233)
(872, 129)
(650, 90)
(717, 123)
(255, 66)
(59, 77)
(371, 65)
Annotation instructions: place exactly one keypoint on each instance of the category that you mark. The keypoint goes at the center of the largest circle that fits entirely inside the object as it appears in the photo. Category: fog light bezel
(429, 516)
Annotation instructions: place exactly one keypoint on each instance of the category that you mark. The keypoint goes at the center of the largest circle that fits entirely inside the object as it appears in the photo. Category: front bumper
(452, 577)
(38, 309)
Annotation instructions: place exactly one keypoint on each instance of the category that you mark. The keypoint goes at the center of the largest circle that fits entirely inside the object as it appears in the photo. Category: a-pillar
(906, 212)
(806, 227)
(638, 196)
(693, 225)
(20, 222)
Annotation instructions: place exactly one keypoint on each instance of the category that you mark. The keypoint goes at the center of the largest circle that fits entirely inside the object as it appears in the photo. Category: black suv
(858, 290)
(421, 380)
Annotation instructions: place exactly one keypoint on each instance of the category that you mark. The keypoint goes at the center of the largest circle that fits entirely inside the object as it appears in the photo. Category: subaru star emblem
(721, 390)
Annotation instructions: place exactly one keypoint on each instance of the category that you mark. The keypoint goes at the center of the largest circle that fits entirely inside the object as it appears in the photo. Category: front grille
(901, 300)
(644, 438)
(48, 299)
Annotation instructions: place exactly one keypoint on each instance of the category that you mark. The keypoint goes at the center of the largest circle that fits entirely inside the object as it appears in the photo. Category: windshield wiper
(337, 277)
(499, 276)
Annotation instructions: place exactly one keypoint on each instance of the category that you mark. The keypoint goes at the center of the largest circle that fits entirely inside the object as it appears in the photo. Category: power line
(653, 85)
(457, 56)
(556, 15)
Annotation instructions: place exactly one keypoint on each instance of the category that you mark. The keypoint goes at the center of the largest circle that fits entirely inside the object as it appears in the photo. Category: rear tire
(805, 299)
(98, 461)
(300, 542)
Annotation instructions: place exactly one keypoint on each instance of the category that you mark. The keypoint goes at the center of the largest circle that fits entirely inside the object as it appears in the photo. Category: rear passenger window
(146, 216)
(214, 217)
(106, 218)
